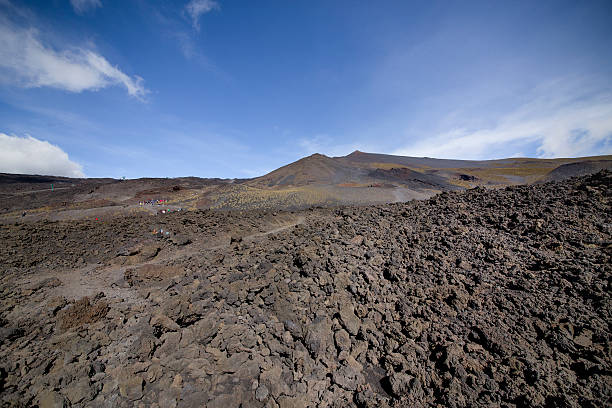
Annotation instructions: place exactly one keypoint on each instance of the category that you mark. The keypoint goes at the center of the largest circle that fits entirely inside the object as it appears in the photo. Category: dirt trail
(253, 237)
(403, 195)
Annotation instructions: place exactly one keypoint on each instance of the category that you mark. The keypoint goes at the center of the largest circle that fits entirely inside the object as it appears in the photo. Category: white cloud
(83, 6)
(25, 61)
(28, 155)
(196, 8)
(560, 120)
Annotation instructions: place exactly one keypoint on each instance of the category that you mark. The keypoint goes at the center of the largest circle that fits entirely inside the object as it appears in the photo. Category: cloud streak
(566, 122)
(197, 8)
(28, 155)
(25, 61)
(83, 6)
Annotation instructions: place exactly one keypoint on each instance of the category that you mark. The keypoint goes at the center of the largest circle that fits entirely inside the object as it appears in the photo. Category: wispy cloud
(197, 8)
(190, 50)
(171, 22)
(559, 120)
(25, 61)
(83, 6)
(28, 155)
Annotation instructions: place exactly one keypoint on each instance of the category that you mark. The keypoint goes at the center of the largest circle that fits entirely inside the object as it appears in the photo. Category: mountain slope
(316, 169)
(568, 170)
(354, 170)
(317, 180)
(359, 168)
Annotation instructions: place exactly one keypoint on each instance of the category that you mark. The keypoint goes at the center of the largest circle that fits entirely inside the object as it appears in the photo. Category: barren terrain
(484, 297)
(356, 179)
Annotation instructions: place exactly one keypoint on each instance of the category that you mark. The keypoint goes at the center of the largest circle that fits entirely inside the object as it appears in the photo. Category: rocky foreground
(480, 298)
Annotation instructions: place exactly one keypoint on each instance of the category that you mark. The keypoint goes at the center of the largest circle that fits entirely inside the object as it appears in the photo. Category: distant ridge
(568, 170)
(359, 178)
(358, 168)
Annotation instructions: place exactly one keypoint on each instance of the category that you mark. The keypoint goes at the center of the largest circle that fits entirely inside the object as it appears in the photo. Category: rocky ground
(476, 298)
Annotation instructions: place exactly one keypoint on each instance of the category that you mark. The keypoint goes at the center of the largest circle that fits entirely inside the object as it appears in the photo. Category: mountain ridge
(357, 167)
(359, 178)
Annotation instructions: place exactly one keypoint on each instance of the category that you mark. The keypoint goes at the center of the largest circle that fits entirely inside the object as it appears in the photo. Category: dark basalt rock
(471, 299)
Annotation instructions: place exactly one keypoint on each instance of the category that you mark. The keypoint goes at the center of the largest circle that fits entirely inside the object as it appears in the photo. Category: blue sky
(232, 88)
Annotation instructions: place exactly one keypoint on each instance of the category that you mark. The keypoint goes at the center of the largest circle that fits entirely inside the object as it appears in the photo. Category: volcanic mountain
(418, 172)
(317, 180)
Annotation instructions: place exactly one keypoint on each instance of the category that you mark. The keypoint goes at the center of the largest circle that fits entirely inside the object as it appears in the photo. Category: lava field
(474, 298)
